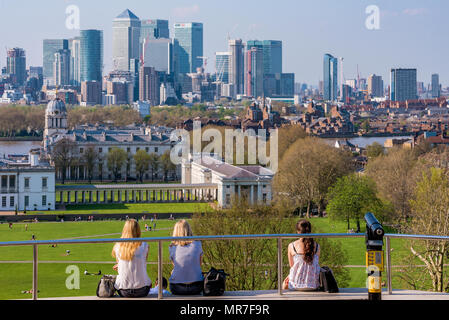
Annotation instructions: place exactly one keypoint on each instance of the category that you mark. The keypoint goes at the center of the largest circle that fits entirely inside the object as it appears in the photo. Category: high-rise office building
(272, 54)
(254, 78)
(375, 86)
(154, 29)
(189, 37)
(149, 88)
(403, 85)
(237, 65)
(75, 61)
(125, 40)
(435, 86)
(158, 53)
(91, 55)
(16, 65)
(91, 93)
(222, 60)
(61, 68)
(50, 47)
(330, 77)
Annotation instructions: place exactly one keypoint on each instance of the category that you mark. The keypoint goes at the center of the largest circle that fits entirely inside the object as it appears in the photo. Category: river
(17, 147)
(363, 142)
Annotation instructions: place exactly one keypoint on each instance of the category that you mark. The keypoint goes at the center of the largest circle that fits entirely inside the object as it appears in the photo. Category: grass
(17, 277)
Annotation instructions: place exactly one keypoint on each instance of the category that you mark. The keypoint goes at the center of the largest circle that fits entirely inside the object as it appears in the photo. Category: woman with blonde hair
(186, 256)
(132, 280)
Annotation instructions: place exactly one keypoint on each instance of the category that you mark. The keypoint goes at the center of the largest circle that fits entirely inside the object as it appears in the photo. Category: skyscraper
(61, 67)
(222, 60)
(375, 86)
(158, 53)
(237, 66)
(272, 54)
(125, 40)
(435, 86)
(149, 88)
(91, 55)
(75, 61)
(254, 72)
(330, 77)
(403, 85)
(16, 65)
(154, 29)
(190, 46)
(50, 47)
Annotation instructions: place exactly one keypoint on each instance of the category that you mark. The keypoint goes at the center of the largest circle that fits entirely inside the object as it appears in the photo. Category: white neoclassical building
(251, 182)
(26, 183)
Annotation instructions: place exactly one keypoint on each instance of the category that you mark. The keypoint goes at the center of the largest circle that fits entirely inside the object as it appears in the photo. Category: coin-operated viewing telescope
(374, 239)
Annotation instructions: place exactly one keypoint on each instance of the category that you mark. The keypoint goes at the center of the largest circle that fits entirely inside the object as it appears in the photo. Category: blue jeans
(184, 289)
(134, 293)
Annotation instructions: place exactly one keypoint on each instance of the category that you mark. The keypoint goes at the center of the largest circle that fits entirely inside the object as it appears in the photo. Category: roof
(127, 14)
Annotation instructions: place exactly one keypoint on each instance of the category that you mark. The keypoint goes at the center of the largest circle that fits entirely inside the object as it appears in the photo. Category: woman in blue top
(187, 257)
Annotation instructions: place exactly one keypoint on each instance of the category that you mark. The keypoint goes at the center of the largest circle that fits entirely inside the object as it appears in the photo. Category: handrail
(278, 237)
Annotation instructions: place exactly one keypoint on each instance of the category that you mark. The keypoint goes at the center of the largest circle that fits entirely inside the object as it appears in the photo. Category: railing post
(159, 271)
(388, 248)
(34, 271)
(280, 282)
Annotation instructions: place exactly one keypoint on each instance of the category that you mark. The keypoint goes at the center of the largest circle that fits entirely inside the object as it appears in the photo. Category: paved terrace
(344, 294)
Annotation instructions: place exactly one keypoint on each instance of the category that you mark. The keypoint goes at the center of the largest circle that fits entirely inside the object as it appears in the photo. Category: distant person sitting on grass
(155, 290)
(187, 257)
(132, 280)
(303, 257)
(10, 225)
(146, 227)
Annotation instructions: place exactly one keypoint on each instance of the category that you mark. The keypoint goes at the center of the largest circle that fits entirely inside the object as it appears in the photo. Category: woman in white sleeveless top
(303, 257)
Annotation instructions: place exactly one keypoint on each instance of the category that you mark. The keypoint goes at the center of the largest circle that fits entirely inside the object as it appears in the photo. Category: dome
(56, 107)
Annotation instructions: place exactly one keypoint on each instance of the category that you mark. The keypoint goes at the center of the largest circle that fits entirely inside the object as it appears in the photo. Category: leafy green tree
(374, 150)
(116, 159)
(352, 197)
(142, 160)
(63, 155)
(89, 158)
(166, 164)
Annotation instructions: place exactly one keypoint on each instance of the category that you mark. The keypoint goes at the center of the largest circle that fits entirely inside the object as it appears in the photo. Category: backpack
(214, 282)
(327, 280)
(105, 287)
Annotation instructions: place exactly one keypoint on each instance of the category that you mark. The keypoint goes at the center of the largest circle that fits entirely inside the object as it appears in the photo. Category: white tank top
(304, 275)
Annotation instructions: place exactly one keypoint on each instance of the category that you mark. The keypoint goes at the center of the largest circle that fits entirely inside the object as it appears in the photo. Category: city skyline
(307, 31)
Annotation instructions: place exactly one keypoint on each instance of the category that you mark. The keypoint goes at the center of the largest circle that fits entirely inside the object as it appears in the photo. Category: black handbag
(328, 283)
(105, 288)
(214, 282)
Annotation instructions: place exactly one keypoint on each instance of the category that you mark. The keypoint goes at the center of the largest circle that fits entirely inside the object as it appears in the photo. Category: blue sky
(412, 33)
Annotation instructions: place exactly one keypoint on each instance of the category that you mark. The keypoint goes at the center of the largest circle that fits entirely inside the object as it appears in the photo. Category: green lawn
(15, 278)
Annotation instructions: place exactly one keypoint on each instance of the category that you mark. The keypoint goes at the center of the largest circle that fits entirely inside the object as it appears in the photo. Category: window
(128, 150)
(11, 201)
(109, 149)
(81, 150)
(12, 181)
(44, 182)
(156, 149)
(27, 201)
(264, 197)
(3, 202)
(4, 181)
(228, 199)
(44, 200)
(137, 149)
(147, 149)
(100, 150)
(27, 183)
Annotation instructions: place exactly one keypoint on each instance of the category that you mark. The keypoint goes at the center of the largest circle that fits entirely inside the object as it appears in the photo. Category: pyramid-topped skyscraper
(125, 40)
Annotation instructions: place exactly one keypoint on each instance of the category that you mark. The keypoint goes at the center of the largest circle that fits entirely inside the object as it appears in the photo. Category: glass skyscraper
(222, 60)
(330, 77)
(254, 75)
(272, 54)
(50, 47)
(75, 61)
(125, 40)
(190, 46)
(16, 65)
(237, 65)
(403, 85)
(91, 55)
(435, 86)
(154, 29)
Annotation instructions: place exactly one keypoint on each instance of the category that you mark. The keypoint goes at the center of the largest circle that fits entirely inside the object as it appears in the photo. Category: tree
(374, 150)
(116, 159)
(142, 160)
(395, 175)
(89, 158)
(252, 263)
(307, 170)
(430, 216)
(154, 164)
(166, 164)
(287, 136)
(63, 155)
(352, 197)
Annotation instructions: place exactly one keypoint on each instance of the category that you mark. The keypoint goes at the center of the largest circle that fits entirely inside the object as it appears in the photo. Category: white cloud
(184, 12)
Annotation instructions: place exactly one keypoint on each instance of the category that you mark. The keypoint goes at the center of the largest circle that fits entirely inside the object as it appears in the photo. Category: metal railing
(278, 237)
